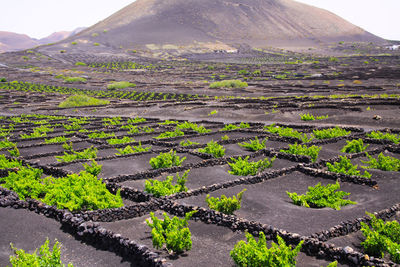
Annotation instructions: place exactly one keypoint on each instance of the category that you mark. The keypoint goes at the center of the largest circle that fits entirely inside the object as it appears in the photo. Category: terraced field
(297, 124)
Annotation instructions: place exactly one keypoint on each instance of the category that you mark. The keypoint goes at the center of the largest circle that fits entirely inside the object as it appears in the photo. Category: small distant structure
(231, 51)
(226, 51)
(393, 47)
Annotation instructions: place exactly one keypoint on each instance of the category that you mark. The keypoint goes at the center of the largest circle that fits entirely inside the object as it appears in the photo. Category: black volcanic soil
(28, 231)
(211, 243)
(321, 88)
(262, 201)
(207, 176)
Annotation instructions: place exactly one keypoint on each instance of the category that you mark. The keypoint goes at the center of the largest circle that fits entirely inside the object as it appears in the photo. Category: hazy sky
(40, 18)
(380, 17)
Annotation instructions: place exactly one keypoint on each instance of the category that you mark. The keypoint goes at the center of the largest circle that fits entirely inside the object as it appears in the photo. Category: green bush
(72, 126)
(166, 160)
(288, 132)
(136, 120)
(174, 233)
(80, 64)
(132, 149)
(255, 253)
(9, 164)
(330, 133)
(307, 117)
(81, 120)
(333, 59)
(332, 264)
(227, 205)
(74, 192)
(230, 127)
(168, 122)
(321, 196)
(45, 257)
(38, 132)
(193, 126)
(228, 84)
(44, 129)
(382, 237)
(136, 129)
(188, 143)
(123, 140)
(81, 101)
(7, 144)
(175, 133)
(297, 149)
(344, 166)
(395, 138)
(354, 146)
(310, 117)
(14, 152)
(384, 163)
(67, 147)
(4, 134)
(111, 121)
(56, 140)
(120, 85)
(33, 135)
(88, 153)
(225, 138)
(166, 188)
(212, 112)
(3, 80)
(243, 167)
(214, 149)
(94, 169)
(26, 183)
(82, 191)
(74, 80)
(100, 135)
(254, 145)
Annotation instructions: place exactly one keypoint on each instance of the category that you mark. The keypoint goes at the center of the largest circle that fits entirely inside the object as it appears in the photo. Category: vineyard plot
(298, 114)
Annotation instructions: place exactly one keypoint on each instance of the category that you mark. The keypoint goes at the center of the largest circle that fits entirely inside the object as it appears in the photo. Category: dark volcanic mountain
(258, 23)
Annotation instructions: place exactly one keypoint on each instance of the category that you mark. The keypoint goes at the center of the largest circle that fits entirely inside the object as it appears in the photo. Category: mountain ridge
(11, 41)
(254, 22)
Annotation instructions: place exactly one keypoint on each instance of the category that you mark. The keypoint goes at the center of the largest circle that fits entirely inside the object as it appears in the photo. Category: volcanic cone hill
(10, 41)
(257, 23)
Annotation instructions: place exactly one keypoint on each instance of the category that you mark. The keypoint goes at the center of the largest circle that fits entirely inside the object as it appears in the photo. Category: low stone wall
(89, 231)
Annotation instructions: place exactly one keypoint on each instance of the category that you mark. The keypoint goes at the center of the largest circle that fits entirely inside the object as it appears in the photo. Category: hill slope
(254, 22)
(55, 37)
(10, 41)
